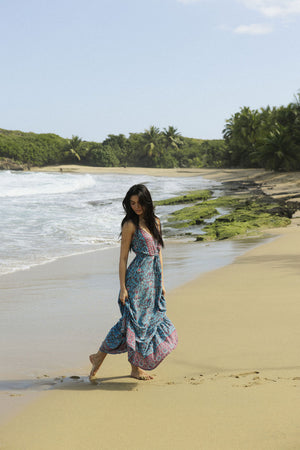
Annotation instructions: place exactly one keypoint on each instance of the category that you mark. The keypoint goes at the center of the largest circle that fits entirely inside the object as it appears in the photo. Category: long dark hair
(145, 201)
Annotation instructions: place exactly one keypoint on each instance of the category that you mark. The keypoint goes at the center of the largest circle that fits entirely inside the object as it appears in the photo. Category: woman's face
(136, 206)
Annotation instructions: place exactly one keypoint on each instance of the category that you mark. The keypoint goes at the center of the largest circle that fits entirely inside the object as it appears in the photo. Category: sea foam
(25, 184)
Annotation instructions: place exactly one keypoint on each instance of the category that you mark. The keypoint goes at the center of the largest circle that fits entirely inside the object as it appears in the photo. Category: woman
(144, 331)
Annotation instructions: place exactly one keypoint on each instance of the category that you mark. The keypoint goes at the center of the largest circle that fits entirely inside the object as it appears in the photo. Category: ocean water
(45, 216)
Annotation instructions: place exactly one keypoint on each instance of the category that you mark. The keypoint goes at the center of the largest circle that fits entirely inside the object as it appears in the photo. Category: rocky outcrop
(10, 164)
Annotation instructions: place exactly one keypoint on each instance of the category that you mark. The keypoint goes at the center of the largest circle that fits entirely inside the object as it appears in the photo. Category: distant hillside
(32, 148)
(152, 148)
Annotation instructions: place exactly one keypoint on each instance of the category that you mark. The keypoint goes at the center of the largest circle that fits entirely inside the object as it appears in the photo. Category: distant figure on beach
(144, 330)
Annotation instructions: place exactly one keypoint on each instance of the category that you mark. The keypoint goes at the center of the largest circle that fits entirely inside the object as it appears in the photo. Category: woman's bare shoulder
(128, 227)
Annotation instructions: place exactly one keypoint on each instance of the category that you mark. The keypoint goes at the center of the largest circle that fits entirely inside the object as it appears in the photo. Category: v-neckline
(148, 232)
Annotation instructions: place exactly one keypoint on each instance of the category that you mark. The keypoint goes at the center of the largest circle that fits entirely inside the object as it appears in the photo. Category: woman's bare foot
(96, 360)
(139, 374)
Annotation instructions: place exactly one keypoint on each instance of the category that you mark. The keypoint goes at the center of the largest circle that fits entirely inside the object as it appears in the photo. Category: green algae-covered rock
(237, 215)
(192, 215)
(247, 216)
(191, 197)
(220, 231)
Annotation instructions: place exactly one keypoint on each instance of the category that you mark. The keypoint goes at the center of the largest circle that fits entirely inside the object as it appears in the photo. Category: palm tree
(172, 137)
(73, 148)
(267, 120)
(241, 133)
(277, 150)
(249, 124)
(229, 127)
(296, 125)
(152, 146)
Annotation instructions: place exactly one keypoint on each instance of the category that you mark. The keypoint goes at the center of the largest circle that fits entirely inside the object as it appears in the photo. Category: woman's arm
(161, 259)
(127, 233)
(162, 273)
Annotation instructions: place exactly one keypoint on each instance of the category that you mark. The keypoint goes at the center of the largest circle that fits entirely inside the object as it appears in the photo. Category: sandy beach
(233, 382)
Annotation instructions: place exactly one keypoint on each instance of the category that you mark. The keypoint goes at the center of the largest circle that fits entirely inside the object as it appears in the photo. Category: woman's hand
(163, 290)
(123, 295)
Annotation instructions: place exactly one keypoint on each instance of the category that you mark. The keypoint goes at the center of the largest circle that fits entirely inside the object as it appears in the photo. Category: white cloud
(274, 8)
(253, 29)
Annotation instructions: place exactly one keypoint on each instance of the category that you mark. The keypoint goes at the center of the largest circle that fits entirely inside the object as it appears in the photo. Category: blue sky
(97, 67)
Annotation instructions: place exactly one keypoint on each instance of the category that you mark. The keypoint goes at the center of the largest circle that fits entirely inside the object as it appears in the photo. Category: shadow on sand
(119, 383)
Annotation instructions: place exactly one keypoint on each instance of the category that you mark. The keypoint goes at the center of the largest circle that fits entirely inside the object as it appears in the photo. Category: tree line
(152, 148)
(266, 138)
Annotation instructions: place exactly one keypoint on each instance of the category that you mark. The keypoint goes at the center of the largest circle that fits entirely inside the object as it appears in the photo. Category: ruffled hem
(163, 342)
(152, 360)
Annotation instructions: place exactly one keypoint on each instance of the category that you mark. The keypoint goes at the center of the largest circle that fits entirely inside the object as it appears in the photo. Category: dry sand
(73, 168)
(232, 383)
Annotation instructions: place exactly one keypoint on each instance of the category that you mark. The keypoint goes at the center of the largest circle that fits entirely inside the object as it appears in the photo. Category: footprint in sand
(257, 381)
(196, 381)
(270, 379)
(245, 374)
(251, 383)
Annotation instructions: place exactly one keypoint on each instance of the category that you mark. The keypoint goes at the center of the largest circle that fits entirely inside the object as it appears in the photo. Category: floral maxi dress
(144, 330)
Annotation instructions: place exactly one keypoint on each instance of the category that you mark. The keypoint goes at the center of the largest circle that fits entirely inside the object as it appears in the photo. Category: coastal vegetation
(266, 138)
(232, 216)
(151, 148)
(32, 148)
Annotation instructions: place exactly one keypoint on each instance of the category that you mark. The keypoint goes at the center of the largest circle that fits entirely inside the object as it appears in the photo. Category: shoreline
(189, 374)
(50, 302)
(283, 185)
